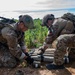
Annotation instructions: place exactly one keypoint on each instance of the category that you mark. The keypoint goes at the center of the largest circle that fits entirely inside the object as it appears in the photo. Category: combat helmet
(46, 18)
(27, 20)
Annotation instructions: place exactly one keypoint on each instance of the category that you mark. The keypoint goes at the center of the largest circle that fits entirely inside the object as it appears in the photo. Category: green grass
(36, 37)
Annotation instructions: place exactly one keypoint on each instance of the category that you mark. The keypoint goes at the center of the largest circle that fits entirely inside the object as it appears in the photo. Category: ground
(69, 70)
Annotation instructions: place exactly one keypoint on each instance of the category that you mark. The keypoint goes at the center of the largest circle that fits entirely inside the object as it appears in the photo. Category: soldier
(60, 35)
(12, 42)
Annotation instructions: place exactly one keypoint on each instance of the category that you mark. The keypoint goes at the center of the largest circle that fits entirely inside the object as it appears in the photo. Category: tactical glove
(41, 51)
(26, 54)
(29, 60)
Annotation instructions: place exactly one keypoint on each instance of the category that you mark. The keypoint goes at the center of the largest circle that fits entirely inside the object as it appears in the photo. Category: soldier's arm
(22, 43)
(12, 42)
(48, 41)
(52, 35)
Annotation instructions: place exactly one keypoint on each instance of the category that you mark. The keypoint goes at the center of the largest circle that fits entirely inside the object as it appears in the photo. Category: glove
(29, 60)
(41, 51)
(27, 54)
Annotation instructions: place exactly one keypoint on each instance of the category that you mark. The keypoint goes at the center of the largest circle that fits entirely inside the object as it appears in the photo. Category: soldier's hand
(41, 51)
(26, 50)
(25, 57)
(29, 60)
(49, 40)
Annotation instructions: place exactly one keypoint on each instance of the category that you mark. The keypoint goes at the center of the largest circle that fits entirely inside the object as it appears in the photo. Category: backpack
(5, 21)
(69, 16)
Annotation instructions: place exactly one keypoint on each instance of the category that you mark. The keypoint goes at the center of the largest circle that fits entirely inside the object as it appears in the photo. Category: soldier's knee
(61, 45)
(58, 61)
(10, 63)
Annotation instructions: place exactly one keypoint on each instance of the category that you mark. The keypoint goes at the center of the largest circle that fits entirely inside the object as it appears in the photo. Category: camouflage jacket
(14, 39)
(60, 26)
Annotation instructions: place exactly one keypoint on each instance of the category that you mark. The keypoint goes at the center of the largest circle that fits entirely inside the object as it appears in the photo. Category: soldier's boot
(52, 66)
(58, 62)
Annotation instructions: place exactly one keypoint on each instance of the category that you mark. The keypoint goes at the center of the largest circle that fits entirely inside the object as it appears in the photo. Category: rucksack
(5, 21)
(69, 16)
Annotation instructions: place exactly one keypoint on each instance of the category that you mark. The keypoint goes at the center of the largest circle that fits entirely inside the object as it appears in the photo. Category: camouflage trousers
(72, 54)
(6, 59)
(61, 44)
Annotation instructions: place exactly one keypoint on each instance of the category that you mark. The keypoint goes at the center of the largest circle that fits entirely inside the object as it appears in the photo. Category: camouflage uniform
(62, 43)
(60, 27)
(12, 42)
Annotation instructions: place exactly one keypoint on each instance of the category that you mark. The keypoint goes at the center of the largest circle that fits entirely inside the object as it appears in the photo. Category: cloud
(35, 8)
(52, 4)
(9, 5)
(37, 13)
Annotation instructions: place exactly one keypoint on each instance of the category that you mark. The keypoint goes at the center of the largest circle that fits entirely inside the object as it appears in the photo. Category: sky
(35, 8)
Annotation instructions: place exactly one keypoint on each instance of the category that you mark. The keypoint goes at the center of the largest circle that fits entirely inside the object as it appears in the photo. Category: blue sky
(35, 8)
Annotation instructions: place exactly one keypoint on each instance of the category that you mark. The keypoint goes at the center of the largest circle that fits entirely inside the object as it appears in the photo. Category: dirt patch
(69, 70)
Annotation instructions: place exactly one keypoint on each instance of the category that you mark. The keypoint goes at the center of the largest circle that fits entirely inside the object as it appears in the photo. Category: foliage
(36, 37)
